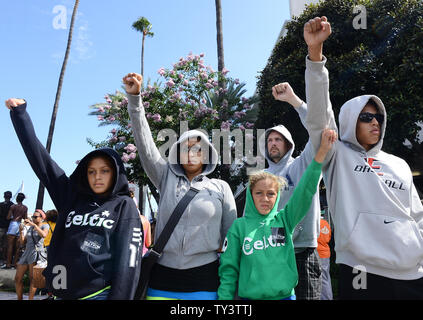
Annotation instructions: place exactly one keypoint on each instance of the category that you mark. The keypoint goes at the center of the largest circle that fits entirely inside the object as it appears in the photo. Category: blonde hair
(261, 175)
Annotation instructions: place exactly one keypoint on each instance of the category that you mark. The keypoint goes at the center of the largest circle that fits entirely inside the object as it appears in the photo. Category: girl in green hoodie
(258, 253)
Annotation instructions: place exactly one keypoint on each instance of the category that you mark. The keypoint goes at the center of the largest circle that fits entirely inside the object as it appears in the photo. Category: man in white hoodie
(278, 152)
(377, 214)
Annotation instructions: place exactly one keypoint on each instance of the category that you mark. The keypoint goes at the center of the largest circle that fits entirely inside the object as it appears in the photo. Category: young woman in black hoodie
(95, 250)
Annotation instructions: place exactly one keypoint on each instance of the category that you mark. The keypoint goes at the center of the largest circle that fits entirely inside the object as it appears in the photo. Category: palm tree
(220, 57)
(40, 196)
(144, 26)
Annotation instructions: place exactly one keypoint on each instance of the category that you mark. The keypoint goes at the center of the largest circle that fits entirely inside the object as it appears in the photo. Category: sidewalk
(7, 281)
(7, 278)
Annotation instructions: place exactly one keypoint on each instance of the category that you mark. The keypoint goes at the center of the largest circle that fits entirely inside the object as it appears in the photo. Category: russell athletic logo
(89, 219)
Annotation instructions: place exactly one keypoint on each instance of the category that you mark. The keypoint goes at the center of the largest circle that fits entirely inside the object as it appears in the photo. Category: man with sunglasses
(377, 214)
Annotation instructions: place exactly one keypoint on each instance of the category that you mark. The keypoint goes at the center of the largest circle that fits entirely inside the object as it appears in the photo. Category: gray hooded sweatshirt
(377, 214)
(206, 220)
(307, 231)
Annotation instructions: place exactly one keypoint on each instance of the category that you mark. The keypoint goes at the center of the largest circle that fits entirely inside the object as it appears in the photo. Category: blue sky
(104, 49)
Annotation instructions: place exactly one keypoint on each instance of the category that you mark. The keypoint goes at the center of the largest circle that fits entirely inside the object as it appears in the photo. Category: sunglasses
(36, 217)
(368, 117)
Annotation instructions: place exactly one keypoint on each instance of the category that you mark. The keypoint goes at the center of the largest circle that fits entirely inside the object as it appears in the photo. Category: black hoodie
(97, 241)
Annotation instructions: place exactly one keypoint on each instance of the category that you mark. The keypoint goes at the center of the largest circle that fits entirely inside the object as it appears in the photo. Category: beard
(275, 155)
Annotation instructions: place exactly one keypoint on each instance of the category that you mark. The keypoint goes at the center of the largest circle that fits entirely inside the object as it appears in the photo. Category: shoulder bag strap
(173, 220)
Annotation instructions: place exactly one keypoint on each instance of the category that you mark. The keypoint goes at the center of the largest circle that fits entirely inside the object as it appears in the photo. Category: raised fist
(284, 92)
(13, 102)
(132, 82)
(316, 31)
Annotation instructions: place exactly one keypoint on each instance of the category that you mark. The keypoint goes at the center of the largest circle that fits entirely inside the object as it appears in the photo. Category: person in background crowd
(51, 218)
(34, 251)
(4, 224)
(279, 149)
(145, 225)
(17, 213)
(324, 253)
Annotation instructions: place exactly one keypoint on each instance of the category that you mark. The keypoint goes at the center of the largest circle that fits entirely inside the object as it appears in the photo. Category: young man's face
(277, 146)
(368, 130)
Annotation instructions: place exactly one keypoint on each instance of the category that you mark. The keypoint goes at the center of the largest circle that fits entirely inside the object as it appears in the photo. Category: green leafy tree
(188, 92)
(385, 59)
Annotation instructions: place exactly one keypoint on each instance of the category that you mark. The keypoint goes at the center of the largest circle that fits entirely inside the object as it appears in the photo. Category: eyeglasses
(195, 149)
(368, 117)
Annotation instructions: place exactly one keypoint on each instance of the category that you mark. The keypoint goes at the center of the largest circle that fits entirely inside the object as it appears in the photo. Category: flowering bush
(190, 93)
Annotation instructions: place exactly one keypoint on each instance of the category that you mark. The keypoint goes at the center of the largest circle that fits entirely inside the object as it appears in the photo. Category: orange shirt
(323, 240)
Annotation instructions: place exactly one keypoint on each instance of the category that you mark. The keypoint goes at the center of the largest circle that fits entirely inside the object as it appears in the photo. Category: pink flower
(113, 139)
(111, 118)
(156, 117)
(161, 71)
(113, 131)
(100, 118)
(239, 114)
(100, 109)
(122, 138)
(226, 125)
(132, 155)
(249, 125)
(225, 71)
(125, 157)
(170, 83)
(130, 148)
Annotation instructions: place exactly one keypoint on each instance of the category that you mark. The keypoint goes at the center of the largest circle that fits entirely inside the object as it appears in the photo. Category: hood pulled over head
(287, 135)
(119, 185)
(210, 153)
(348, 117)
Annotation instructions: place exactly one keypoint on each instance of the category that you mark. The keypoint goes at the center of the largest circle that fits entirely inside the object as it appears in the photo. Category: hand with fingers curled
(329, 137)
(316, 31)
(13, 103)
(284, 92)
(132, 82)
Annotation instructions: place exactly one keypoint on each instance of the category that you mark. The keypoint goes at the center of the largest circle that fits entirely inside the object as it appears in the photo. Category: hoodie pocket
(197, 240)
(387, 242)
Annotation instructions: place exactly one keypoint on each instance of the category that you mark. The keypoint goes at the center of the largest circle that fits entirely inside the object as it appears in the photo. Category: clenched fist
(316, 31)
(13, 102)
(132, 82)
(284, 92)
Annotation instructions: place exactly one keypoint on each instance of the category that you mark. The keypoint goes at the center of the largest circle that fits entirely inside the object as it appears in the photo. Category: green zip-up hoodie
(259, 253)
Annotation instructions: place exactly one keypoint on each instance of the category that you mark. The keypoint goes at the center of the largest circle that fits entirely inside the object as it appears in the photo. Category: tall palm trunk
(142, 54)
(220, 57)
(40, 196)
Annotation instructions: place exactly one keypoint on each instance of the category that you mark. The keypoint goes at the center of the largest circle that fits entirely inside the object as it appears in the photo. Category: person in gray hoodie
(377, 214)
(188, 267)
(278, 152)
